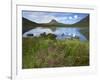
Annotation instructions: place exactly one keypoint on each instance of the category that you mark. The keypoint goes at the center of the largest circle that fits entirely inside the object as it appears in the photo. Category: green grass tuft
(40, 53)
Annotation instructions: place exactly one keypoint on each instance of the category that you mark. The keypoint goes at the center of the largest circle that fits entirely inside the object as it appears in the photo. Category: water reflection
(60, 32)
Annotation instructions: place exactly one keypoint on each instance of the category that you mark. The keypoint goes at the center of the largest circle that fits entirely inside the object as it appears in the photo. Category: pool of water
(60, 32)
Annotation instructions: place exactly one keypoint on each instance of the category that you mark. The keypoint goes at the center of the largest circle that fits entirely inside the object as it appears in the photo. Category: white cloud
(70, 17)
(45, 17)
(76, 16)
(38, 17)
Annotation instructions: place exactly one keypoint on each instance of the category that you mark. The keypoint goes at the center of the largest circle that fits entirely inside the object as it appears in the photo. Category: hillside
(53, 23)
(27, 24)
(83, 23)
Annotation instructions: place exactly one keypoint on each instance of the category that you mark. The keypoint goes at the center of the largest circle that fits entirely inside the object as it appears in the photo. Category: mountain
(83, 23)
(53, 22)
(27, 24)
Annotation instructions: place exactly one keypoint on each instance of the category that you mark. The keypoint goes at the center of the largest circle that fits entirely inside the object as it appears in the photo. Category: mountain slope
(53, 22)
(83, 23)
(27, 24)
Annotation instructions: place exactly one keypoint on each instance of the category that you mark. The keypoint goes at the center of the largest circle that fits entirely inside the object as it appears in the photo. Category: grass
(45, 52)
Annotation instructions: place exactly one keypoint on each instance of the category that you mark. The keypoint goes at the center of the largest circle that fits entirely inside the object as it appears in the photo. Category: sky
(46, 17)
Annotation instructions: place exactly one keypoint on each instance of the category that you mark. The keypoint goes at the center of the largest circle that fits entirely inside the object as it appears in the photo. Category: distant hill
(53, 23)
(83, 23)
(27, 24)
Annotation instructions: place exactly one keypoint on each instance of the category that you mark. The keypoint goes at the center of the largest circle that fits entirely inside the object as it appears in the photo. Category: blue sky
(46, 17)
